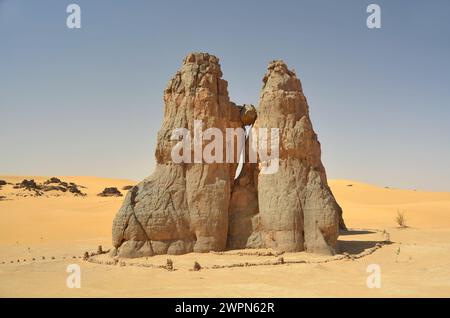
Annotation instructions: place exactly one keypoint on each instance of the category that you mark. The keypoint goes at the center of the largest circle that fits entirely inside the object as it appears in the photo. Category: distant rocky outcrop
(53, 180)
(110, 192)
(27, 184)
(200, 207)
(52, 184)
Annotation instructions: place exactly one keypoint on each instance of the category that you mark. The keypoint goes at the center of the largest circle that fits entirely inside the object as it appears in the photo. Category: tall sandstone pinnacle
(183, 207)
(200, 207)
(297, 210)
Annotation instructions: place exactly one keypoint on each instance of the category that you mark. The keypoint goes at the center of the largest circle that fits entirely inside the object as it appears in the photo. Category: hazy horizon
(89, 101)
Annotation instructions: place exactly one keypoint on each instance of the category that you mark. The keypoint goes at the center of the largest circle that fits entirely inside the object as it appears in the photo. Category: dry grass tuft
(401, 219)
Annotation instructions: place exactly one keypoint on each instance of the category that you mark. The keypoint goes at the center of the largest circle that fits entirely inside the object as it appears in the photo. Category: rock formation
(183, 207)
(297, 210)
(198, 206)
(110, 192)
(50, 185)
(243, 212)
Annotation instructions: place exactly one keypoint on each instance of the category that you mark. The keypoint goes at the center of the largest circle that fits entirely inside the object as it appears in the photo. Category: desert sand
(59, 228)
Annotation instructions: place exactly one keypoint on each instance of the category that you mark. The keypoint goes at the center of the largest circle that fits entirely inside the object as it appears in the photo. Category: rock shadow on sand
(355, 232)
(356, 247)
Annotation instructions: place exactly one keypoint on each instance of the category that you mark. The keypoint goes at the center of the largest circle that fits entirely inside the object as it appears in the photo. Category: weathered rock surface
(110, 192)
(28, 184)
(248, 114)
(297, 210)
(53, 180)
(243, 212)
(199, 207)
(183, 207)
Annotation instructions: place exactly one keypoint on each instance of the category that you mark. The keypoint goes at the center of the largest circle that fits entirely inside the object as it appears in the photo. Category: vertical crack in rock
(134, 192)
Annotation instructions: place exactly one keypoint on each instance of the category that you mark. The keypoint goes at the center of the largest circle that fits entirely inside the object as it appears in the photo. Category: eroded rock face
(110, 192)
(199, 207)
(297, 210)
(183, 207)
(243, 211)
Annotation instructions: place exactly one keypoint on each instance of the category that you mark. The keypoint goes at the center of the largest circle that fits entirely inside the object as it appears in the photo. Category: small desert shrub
(197, 267)
(169, 265)
(401, 219)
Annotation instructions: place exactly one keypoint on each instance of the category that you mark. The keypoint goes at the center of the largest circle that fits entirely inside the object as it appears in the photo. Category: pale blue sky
(89, 101)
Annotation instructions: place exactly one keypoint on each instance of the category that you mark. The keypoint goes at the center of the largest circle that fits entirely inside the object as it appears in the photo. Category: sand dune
(63, 227)
(367, 205)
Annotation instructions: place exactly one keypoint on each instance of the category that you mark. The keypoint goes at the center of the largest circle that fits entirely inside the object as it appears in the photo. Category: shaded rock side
(183, 207)
(243, 227)
(297, 210)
